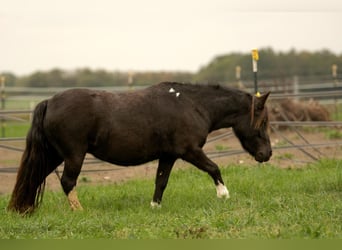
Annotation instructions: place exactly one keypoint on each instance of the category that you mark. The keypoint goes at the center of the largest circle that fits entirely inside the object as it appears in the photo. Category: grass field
(16, 129)
(266, 202)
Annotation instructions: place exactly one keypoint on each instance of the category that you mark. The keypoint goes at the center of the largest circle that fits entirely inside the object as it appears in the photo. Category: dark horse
(166, 122)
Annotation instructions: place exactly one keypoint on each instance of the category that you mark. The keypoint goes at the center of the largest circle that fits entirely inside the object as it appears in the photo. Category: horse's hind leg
(163, 172)
(72, 169)
(201, 161)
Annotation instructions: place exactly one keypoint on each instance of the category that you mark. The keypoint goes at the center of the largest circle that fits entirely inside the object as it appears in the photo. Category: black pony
(166, 121)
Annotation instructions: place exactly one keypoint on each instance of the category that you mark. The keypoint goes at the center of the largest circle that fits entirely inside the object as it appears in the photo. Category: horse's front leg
(201, 161)
(163, 172)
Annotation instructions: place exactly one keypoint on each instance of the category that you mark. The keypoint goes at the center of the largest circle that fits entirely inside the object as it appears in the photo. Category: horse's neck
(220, 107)
(225, 111)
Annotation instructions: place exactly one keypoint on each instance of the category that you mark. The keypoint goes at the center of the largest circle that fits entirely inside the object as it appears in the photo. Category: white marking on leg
(177, 94)
(155, 204)
(73, 200)
(222, 191)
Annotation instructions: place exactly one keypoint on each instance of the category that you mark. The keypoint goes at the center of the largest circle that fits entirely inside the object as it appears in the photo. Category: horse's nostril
(259, 156)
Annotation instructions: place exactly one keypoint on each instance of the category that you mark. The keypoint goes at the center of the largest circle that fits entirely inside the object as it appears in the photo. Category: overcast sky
(157, 35)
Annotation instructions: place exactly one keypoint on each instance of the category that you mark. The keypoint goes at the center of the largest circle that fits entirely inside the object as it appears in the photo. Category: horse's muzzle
(263, 156)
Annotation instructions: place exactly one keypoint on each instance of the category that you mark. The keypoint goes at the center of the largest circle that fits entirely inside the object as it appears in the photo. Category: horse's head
(252, 130)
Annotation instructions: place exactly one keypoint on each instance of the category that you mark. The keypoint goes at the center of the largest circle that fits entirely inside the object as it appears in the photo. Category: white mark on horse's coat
(73, 200)
(222, 191)
(172, 90)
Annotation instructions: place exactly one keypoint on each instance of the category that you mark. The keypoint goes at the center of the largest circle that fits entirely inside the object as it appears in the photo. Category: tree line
(271, 65)
(92, 78)
(222, 69)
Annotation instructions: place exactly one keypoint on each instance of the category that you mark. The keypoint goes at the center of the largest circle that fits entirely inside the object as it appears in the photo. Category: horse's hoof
(155, 204)
(222, 191)
(224, 196)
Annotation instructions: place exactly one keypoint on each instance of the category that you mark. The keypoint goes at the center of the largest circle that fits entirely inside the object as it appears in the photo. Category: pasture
(266, 202)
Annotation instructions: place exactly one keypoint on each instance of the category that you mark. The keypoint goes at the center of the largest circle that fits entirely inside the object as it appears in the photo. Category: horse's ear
(261, 100)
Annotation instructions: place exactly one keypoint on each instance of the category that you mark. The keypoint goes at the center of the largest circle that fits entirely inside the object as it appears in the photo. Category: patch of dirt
(105, 173)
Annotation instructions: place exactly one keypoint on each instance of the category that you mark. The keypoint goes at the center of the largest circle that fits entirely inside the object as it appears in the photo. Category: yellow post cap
(255, 54)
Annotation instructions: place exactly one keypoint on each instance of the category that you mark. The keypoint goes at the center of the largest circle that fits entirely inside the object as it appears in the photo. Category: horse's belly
(130, 156)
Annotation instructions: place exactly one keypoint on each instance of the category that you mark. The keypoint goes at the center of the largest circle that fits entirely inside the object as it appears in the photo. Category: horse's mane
(199, 87)
(261, 119)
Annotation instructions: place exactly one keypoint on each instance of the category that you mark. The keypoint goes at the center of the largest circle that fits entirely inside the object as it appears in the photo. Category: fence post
(295, 87)
(2, 97)
(334, 75)
(255, 57)
(130, 79)
(238, 77)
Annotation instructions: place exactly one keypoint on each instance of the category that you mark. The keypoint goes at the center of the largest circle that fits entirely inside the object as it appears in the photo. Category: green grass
(266, 202)
(337, 116)
(14, 129)
(221, 147)
(333, 134)
(284, 156)
(25, 103)
(329, 132)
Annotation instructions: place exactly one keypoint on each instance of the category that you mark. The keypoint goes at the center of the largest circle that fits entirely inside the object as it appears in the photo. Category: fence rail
(330, 92)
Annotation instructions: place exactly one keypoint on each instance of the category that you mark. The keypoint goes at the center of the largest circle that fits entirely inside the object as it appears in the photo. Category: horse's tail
(29, 188)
